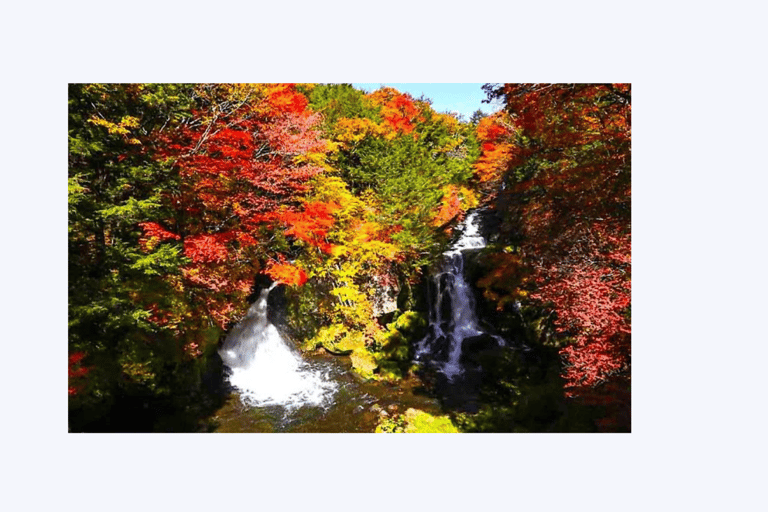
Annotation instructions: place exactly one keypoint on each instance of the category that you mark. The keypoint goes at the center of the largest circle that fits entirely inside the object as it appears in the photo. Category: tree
(566, 202)
(406, 154)
(115, 184)
(246, 153)
(476, 117)
(172, 191)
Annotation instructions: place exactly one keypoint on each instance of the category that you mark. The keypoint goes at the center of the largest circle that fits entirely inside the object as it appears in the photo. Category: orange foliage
(248, 152)
(285, 273)
(399, 111)
(494, 133)
(312, 224)
(504, 283)
(450, 207)
(284, 98)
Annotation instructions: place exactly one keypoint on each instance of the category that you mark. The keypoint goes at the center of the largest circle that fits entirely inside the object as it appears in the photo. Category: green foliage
(336, 101)
(164, 260)
(115, 181)
(524, 393)
(403, 171)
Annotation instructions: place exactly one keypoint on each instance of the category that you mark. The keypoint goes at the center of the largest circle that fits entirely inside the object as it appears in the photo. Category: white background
(698, 253)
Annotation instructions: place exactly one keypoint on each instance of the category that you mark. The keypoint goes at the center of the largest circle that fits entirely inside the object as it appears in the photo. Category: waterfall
(452, 315)
(266, 370)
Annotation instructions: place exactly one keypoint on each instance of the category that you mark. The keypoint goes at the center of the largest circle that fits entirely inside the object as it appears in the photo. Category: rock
(474, 346)
(441, 348)
(384, 298)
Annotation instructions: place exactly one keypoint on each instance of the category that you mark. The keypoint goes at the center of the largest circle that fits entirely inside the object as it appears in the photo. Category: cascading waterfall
(266, 370)
(452, 315)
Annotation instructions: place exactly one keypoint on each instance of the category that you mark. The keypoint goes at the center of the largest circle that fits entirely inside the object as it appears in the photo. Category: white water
(266, 370)
(460, 321)
(470, 236)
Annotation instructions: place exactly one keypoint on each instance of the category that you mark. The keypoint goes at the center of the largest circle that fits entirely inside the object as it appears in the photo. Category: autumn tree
(565, 199)
(406, 154)
(246, 153)
(172, 195)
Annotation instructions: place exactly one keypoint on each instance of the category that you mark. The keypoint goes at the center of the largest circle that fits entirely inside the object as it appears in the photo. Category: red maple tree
(248, 152)
(568, 183)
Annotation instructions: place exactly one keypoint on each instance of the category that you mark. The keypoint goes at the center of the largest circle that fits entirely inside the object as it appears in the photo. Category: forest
(316, 258)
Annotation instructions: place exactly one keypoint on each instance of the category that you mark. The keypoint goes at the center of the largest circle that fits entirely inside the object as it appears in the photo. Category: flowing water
(452, 316)
(268, 371)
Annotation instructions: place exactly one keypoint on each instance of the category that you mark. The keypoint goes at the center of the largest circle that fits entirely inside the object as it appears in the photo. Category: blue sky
(462, 98)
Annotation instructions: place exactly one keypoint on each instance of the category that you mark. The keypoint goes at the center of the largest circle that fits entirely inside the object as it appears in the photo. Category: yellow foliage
(312, 158)
(348, 293)
(448, 120)
(337, 338)
(351, 131)
(325, 337)
(138, 372)
(359, 247)
(120, 128)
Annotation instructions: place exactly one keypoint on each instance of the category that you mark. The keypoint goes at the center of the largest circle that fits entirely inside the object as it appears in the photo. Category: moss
(411, 323)
(415, 421)
(337, 339)
(418, 422)
(390, 371)
(392, 345)
(390, 425)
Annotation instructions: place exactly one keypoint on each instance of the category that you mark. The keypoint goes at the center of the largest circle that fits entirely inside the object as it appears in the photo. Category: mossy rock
(393, 345)
(399, 353)
(420, 422)
(363, 363)
(415, 421)
(337, 340)
(390, 338)
(350, 342)
(389, 425)
(411, 322)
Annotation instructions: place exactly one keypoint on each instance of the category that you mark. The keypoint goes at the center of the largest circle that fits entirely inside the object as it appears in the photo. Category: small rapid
(267, 371)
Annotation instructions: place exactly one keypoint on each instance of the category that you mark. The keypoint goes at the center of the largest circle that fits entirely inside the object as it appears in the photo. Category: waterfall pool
(354, 407)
